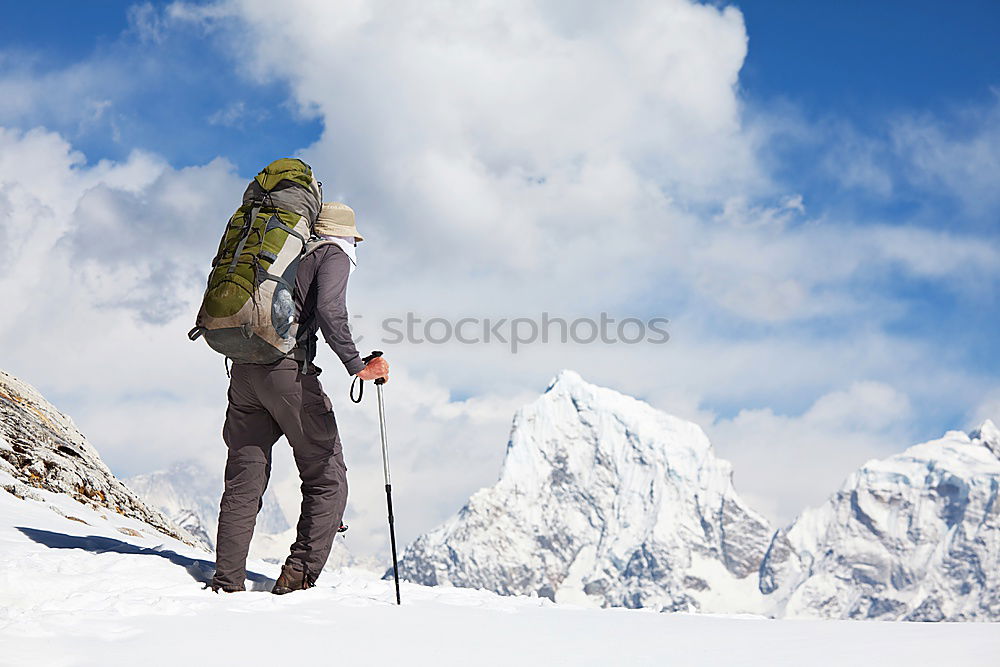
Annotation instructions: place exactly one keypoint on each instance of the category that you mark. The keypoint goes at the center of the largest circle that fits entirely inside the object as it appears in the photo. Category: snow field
(75, 594)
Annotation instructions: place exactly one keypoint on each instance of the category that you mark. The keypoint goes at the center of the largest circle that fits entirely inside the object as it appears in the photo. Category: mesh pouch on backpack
(248, 312)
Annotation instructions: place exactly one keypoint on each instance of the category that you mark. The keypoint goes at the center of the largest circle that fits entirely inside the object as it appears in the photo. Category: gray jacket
(321, 301)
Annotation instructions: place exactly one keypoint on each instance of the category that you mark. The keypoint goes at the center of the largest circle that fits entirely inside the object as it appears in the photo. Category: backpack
(248, 311)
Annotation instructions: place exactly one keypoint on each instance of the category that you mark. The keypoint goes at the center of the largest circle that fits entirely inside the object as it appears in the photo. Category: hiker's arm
(331, 309)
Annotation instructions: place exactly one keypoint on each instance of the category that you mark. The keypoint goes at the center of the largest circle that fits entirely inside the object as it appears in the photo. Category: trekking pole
(385, 468)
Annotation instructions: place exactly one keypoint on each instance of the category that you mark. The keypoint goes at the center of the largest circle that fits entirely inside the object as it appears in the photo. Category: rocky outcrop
(41, 448)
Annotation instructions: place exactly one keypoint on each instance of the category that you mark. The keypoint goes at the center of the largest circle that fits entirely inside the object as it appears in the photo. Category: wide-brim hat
(336, 219)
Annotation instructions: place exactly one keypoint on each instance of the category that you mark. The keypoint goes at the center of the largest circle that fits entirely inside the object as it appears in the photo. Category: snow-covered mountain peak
(963, 453)
(913, 536)
(569, 384)
(601, 500)
(569, 387)
(582, 426)
(189, 469)
(567, 381)
(988, 435)
(564, 376)
(569, 393)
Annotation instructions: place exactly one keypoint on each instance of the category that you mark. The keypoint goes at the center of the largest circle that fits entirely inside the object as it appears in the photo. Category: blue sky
(868, 63)
(864, 60)
(817, 215)
(854, 60)
(186, 78)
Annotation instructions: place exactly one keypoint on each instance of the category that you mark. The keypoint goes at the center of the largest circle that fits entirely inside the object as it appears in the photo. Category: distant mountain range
(603, 500)
(914, 537)
(189, 494)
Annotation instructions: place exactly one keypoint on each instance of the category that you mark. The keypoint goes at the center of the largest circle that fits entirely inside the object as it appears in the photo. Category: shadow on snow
(200, 570)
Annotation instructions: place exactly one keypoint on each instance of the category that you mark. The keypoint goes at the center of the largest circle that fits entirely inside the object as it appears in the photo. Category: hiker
(284, 397)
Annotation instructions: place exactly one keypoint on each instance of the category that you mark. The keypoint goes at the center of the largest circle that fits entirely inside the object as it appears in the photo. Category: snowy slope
(915, 536)
(41, 448)
(189, 494)
(604, 501)
(85, 594)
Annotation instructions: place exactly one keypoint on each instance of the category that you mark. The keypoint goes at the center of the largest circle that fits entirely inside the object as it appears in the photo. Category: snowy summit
(912, 537)
(603, 501)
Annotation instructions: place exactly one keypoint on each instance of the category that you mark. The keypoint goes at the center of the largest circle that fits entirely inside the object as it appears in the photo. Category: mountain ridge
(950, 495)
(597, 523)
(42, 449)
(915, 536)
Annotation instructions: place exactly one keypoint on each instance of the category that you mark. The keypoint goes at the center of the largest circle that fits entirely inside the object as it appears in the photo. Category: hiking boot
(228, 588)
(293, 578)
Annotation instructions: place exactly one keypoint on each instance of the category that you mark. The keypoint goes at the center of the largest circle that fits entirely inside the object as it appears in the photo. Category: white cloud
(232, 115)
(103, 278)
(915, 156)
(857, 160)
(761, 268)
(946, 155)
(146, 22)
(987, 408)
(526, 145)
(512, 119)
(91, 246)
(787, 462)
(80, 95)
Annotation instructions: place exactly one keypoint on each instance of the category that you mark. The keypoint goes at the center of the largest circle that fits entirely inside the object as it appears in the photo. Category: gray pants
(266, 402)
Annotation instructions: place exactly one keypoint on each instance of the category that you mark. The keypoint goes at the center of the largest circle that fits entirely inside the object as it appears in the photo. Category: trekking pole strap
(361, 389)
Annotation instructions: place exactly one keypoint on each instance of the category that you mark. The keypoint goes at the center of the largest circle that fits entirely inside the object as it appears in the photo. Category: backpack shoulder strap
(314, 243)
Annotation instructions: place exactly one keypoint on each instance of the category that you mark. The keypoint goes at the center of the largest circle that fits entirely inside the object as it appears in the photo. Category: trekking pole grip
(375, 354)
(361, 383)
